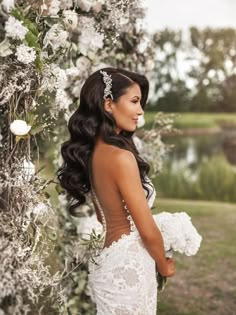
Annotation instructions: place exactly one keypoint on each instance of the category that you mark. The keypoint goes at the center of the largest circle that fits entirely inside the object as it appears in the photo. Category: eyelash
(135, 102)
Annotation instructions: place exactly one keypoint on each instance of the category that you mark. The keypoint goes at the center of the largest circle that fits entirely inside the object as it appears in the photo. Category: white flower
(178, 232)
(150, 64)
(154, 152)
(72, 72)
(62, 99)
(5, 49)
(28, 169)
(97, 7)
(53, 78)
(77, 87)
(15, 29)
(70, 19)
(85, 22)
(85, 5)
(138, 143)
(90, 41)
(56, 37)
(100, 66)
(25, 54)
(62, 199)
(40, 209)
(19, 127)
(141, 121)
(66, 4)
(67, 116)
(83, 64)
(54, 7)
(8, 4)
(86, 224)
(1, 137)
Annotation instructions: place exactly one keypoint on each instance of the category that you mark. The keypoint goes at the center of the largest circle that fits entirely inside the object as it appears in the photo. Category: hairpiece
(108, 84)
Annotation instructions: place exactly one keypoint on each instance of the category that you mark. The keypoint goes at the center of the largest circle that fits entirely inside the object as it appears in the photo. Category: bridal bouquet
(178, 234)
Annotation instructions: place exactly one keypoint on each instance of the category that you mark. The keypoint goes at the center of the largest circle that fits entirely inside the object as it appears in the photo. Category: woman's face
(127, 109)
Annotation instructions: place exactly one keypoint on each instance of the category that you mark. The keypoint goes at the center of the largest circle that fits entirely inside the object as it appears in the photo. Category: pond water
(192, 150)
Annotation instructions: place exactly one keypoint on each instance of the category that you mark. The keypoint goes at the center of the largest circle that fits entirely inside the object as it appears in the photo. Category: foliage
(215, 179)
(27, 238)
(150, 144)
(171, 92)
(207, 82)
(191, 120)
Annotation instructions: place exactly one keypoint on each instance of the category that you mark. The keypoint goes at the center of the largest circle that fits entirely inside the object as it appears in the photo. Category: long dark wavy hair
(91, 120)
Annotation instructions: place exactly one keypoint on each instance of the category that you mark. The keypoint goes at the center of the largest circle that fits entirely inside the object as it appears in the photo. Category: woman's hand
(170, 268)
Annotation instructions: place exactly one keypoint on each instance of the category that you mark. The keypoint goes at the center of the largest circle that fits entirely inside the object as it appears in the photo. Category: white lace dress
(123, 280)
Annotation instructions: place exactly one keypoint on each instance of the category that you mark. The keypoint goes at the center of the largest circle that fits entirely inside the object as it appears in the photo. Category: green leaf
(18, 138)
(162, 281)
(47, 195)
(30, 118)
(36, 129)
(39, 63)
(31, 40)
(59, 189)
(17, 14)
(31, 26)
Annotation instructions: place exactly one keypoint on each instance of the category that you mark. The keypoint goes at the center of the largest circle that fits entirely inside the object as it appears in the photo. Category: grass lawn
(204, 284)
(197, 120)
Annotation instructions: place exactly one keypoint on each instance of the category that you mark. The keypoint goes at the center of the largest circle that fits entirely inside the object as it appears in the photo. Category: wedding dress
(122, 277)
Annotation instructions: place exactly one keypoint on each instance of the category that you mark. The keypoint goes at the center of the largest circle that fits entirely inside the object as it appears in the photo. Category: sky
(181, 14)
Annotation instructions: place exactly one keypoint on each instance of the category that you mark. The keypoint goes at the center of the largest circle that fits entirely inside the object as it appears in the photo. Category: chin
(131, 129)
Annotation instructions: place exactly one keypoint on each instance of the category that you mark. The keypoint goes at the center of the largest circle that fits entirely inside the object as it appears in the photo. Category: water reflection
(192, 150)
(198, 168)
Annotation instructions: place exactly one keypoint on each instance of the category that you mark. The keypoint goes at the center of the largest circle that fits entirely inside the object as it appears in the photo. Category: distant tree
(228, 93)
(210, 56)
(215, 50)
(170, 91)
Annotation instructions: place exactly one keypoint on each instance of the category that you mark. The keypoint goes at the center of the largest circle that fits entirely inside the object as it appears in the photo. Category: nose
(141, 111)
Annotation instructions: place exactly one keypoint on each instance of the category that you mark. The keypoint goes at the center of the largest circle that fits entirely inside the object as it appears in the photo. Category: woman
(101, 159)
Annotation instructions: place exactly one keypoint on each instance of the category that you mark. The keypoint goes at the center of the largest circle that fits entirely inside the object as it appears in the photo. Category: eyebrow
(136, 96)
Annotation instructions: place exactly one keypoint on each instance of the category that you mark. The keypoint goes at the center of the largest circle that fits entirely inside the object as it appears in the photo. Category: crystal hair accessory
(108, 84)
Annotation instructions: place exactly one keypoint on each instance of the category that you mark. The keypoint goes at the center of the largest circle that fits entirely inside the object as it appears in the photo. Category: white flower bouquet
(178, 234)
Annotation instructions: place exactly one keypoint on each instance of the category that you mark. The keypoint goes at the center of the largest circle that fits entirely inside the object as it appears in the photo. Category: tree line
(194, 72)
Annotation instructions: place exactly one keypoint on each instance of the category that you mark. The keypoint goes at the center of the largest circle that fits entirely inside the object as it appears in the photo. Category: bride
(101, 159)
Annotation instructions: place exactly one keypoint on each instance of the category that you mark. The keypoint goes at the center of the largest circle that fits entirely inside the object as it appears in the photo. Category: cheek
(124, 112)
(128, 110)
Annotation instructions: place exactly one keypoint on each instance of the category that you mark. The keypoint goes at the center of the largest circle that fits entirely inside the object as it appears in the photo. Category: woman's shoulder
(121, 156)
(122, 161)
(116, 152)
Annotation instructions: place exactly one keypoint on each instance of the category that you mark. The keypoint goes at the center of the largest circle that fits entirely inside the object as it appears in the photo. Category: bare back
(108, 193)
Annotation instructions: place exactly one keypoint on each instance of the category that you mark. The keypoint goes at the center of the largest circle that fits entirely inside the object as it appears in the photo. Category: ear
(108, 105)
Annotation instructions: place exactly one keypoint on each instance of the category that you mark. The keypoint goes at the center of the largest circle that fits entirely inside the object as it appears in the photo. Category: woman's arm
(125, 172)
